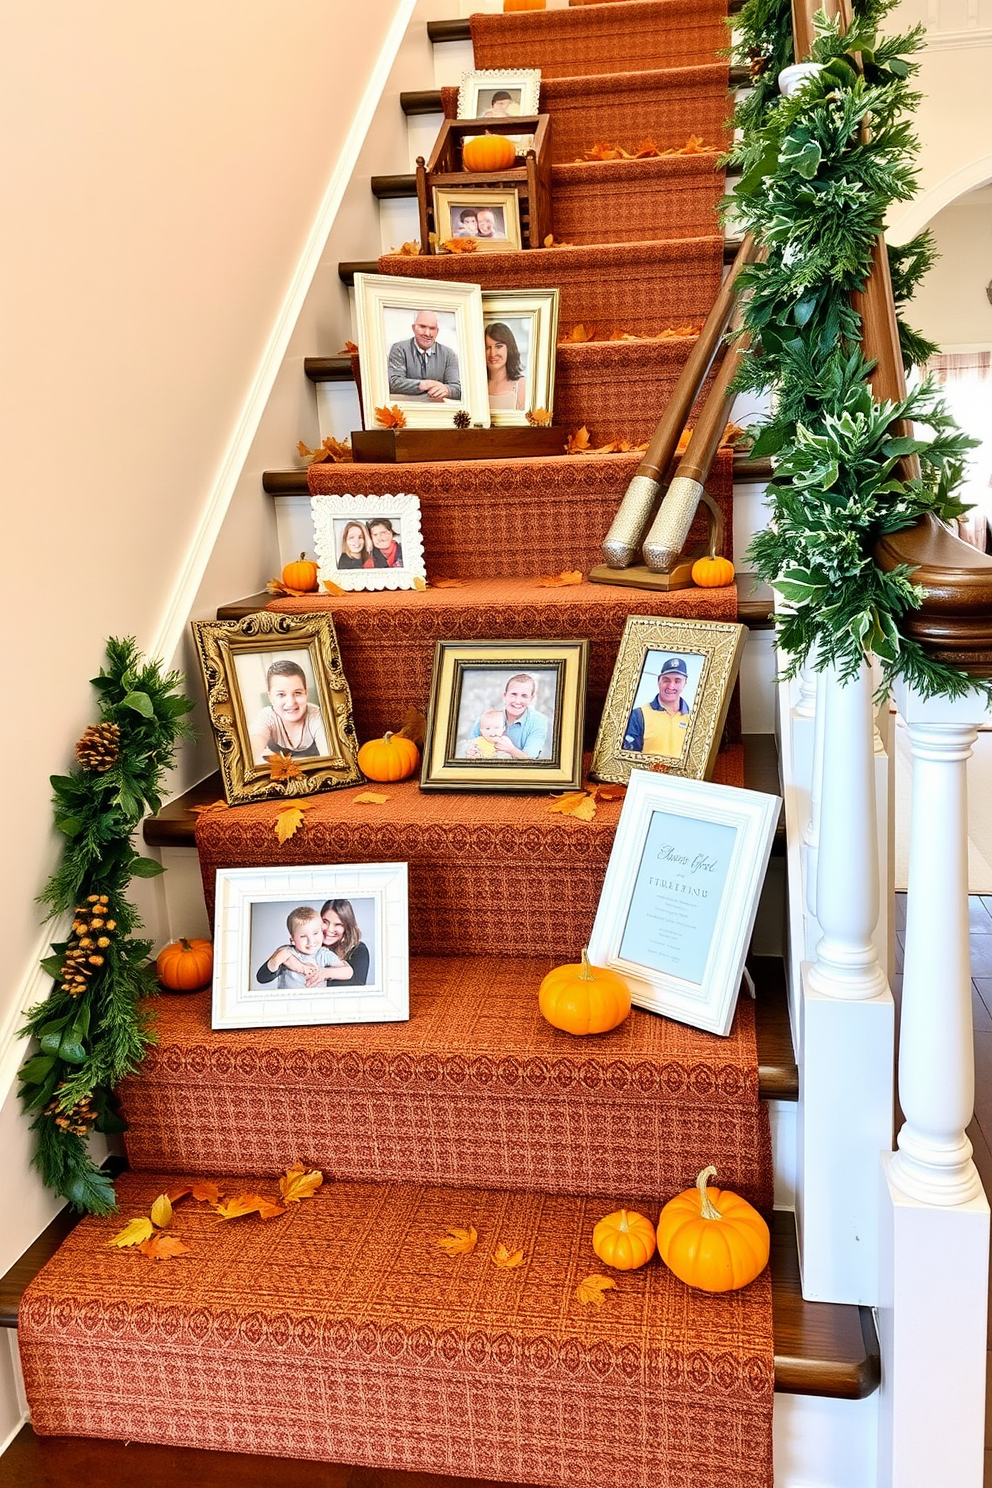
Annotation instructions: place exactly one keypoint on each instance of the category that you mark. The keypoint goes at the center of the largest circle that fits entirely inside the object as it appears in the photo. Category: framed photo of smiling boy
(681, 894)
(668, 697)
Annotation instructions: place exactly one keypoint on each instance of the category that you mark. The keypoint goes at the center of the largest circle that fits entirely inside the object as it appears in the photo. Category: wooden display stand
(531, 179)
(402, 446)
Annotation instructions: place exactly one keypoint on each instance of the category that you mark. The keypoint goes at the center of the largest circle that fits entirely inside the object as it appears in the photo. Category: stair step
(428, 100)
(331, 369)
(459, 29)
(396, 187)
(348, 270)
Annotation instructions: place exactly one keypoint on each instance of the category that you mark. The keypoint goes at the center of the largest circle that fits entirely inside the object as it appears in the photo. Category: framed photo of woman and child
(369, 542)
(506, 715)
(317, 944)
(276, 691)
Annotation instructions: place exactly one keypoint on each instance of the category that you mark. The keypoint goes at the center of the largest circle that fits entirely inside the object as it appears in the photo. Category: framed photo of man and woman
(668, 697)
(369, 542)
(318, 944)
(275, 688)
(506, 715)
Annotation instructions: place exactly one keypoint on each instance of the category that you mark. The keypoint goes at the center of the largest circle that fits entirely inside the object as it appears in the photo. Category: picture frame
(681, 893)
(495, 208)
(656, 654)
(392, 543)
(531, 318)
(506, 716)
(355, 939)
(449, 317)
(476, 97)
(260, 673)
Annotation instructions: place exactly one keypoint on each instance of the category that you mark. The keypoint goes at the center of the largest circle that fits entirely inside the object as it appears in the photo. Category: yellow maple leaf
(249, 1203)
(283, 767)
(348, 349)
(161, 1211)
(418, 582)
(561, 580)
(289, 821)
(133, 1233)
(300, 1182)
(456, 1242)
(371, 798)
(206, 1191)
(539, 418)
(591, 1288)
(575, 803)
(390, 418)
(507, 1260)
(458, 245)
(163, 1247)
(578, 443)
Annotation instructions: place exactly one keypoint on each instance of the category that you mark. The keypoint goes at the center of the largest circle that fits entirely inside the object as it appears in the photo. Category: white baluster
(811, 835)
(806, 701)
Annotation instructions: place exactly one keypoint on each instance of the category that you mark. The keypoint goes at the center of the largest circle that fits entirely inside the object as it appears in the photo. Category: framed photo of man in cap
(668, 697)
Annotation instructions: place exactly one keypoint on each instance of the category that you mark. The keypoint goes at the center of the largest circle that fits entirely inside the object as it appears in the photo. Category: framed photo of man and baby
(318, 944)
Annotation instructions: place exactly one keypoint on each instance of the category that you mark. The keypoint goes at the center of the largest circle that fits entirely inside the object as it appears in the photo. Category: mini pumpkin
(624, 1240)
(301, 575)
(583, 999)
(524, 4)
(393, 757)
(711, 1238)
(712, 573)
(185, 965)
(488, 152)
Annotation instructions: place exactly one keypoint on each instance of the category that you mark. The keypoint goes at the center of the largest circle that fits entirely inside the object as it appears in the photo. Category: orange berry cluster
(77, 1120)
(90, 937)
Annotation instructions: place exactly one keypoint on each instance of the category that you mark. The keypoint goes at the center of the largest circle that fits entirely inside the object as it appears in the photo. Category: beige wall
(951, 305)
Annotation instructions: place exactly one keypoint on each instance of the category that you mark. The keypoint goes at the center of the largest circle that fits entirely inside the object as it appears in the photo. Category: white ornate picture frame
(386, 308)
(476, 89)
(681, 893)
(392, 544)
(531, 315)
(253, 906)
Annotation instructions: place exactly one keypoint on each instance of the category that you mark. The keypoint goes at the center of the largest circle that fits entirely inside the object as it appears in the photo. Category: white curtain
(967, 381)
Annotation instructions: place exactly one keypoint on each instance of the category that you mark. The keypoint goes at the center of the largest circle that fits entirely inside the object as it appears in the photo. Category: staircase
(346, 1336)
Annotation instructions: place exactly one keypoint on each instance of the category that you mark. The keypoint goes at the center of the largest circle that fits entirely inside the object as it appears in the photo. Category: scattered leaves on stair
(289, 821)
(248, 1203)
(348, 349)
(371, 798)
(609, 792)
(161, 1211)
(163, 1248)
(561, 580)
(390, 418)
(277, 587)
(336, 451)
(299, 1182)
(579, 334)
(135, 1232)
(575, 803)
(414, 725)
(646, 149)
(456, 1242)
(591, 1289)
(202, 810)
(206, 1191)
(539, 418)
(507, 1260)
(550, 242)
(419, 582)
(330, 587)
(409, 249)
(283, 767)
(578, 443)
(457, 245)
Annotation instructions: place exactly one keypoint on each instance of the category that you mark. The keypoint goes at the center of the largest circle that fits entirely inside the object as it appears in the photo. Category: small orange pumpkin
(393, 757)
(712, 573)
(712, 1240)
(301, 575)
(488, 152)
(185, 965)
(524, 4)
(584, 999)
(624, 1240)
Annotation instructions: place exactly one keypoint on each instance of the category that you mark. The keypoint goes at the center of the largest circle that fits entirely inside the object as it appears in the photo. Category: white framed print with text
(681, 894)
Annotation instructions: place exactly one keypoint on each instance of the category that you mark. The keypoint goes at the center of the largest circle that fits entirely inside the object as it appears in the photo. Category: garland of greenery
(818, 173)
(93, 1029)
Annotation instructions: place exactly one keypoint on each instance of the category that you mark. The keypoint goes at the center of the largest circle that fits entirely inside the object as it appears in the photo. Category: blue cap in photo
(674, 664)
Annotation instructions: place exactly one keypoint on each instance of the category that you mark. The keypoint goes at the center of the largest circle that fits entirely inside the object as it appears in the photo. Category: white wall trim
(918, 213)
(945, 41)
(173, 624)
(35, 986)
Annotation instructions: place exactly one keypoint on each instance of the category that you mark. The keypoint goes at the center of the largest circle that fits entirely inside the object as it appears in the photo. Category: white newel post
(811, 834)
(846, 1089)
(935, 1217)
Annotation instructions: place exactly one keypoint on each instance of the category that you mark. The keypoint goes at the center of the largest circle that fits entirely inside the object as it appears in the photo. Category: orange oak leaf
(249, 1203)
(591, 1288)
(605, 150)
(283, 767)
(206, 1191)
(448, 583)
(732, 434)
(348, 349)
(289, 821)
(390, 418)
(300, 1182)
(457, 245)
(581, 804)
(330, 587)
(550, 242)
(337, 451)
(507, 1260)
(163, 1248)
(414, 725)
(539, 418)
(202, 810)
(561, 580)
(646, 150)
(371, 798)
(135, 1232)
(611, 792)
(409, 249)
(161, 1211)
(456, 1242)
(693, 146)
(578, 443)
(578, 335)
(179, 1192)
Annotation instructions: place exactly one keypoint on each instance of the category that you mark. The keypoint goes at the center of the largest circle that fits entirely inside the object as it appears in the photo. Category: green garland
(818, 174)
(93, 1029)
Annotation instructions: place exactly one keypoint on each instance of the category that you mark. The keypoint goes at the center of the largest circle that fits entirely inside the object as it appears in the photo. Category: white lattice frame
(328, 509)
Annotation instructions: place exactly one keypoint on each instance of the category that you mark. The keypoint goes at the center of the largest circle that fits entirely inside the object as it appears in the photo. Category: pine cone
(99, 748)
(463, 419)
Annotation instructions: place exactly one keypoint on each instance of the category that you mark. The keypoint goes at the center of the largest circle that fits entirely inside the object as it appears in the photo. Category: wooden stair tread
(404, 184)
(294, 482)
(821, 1348)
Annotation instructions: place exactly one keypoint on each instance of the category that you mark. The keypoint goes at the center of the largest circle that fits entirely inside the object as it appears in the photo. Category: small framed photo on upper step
(369, 542)
(668, 697)
(501, 95)
(279, 705)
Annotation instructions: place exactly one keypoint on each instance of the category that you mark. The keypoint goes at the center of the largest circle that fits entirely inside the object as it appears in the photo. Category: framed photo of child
(279, 705)
(369, 542)
(506, 715)
(319, 944)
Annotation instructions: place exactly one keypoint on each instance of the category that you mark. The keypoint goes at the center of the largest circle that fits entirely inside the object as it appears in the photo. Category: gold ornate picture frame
(506, 716)
(668, 697)
(275, 686)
